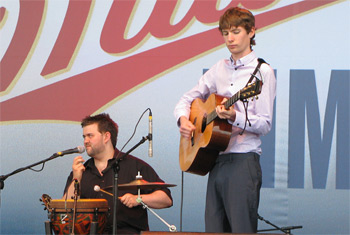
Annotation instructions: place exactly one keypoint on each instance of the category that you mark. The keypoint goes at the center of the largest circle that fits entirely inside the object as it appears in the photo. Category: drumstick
(98, 189)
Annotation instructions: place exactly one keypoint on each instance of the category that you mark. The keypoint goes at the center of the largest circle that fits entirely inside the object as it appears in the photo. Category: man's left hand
(224, 113)
(129, 200)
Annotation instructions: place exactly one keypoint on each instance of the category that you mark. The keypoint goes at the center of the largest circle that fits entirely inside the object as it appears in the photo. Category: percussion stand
(75, 198)
(115, 166)
(172, 228)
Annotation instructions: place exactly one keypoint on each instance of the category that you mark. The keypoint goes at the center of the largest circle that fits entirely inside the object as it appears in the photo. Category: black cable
(245, 105)
(133, 134)
(42, 168)
(181, 200)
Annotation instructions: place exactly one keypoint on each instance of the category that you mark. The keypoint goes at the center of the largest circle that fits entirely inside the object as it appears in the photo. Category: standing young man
(235, 180)
(100, 138)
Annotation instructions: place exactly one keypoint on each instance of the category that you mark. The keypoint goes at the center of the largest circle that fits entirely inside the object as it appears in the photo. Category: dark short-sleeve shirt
(128, 219)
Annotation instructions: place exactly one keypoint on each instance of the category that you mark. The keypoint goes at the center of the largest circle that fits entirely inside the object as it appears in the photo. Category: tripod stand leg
(93, 228)
(48, 230)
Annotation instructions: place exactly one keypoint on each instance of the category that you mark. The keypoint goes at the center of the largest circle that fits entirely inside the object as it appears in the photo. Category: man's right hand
(186, 127)
(78, 168)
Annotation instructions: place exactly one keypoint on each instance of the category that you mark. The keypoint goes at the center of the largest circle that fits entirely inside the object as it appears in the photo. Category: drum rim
(87, 205)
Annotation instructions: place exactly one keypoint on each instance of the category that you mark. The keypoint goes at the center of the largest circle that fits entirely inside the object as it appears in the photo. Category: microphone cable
(133, 134)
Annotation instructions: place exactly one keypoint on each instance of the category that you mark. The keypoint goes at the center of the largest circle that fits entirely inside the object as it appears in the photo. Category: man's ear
(107, 136)
(252, 32)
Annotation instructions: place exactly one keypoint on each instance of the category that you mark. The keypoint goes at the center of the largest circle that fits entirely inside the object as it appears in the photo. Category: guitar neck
(232, 100)
(212, 115)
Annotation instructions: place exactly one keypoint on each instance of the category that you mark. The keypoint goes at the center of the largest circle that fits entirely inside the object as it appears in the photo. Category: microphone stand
(286, 230)
(4, 177)
(115, 166)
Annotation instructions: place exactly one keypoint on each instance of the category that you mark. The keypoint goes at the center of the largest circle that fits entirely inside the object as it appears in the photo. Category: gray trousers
(233, 193)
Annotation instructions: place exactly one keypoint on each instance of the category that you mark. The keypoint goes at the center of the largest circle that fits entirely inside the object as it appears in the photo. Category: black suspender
(245, 102)
(260, 61)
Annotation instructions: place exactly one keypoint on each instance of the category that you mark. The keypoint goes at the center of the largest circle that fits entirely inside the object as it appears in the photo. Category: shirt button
(237, 124)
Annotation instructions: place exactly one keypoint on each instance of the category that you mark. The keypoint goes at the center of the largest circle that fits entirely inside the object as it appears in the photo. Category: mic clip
(76, 188)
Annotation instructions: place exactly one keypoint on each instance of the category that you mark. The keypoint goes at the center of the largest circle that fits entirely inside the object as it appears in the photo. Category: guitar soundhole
(204, 123)
(192, 138)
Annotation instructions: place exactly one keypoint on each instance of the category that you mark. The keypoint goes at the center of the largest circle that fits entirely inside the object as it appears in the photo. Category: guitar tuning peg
(256, 97)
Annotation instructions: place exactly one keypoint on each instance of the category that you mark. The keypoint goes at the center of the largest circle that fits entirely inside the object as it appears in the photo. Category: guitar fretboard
(212, 115)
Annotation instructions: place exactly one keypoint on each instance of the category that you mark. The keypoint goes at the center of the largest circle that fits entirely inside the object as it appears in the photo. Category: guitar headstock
(250, 90)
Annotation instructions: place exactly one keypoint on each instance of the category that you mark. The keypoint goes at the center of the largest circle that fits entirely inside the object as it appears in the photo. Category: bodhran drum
(88, 211)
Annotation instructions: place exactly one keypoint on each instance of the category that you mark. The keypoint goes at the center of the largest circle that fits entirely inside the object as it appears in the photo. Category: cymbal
(143, 184)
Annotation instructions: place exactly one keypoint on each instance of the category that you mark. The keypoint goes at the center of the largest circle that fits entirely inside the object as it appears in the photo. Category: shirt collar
(243, 61)
(91, 163)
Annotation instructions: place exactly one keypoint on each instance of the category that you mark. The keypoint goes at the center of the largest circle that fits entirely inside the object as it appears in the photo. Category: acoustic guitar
(212, 135)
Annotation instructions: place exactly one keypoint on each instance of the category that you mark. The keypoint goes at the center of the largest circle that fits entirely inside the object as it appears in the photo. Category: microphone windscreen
(81, 149)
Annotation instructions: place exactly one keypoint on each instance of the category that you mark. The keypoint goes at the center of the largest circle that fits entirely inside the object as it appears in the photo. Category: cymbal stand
(172, 228)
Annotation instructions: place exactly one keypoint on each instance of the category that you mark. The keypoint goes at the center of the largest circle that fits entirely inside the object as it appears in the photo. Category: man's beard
(90, 151)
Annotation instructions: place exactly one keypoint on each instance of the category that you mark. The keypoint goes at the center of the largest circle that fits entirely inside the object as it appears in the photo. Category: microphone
(79, 149)
(98, 189)
(76, 187)
(150, 147)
